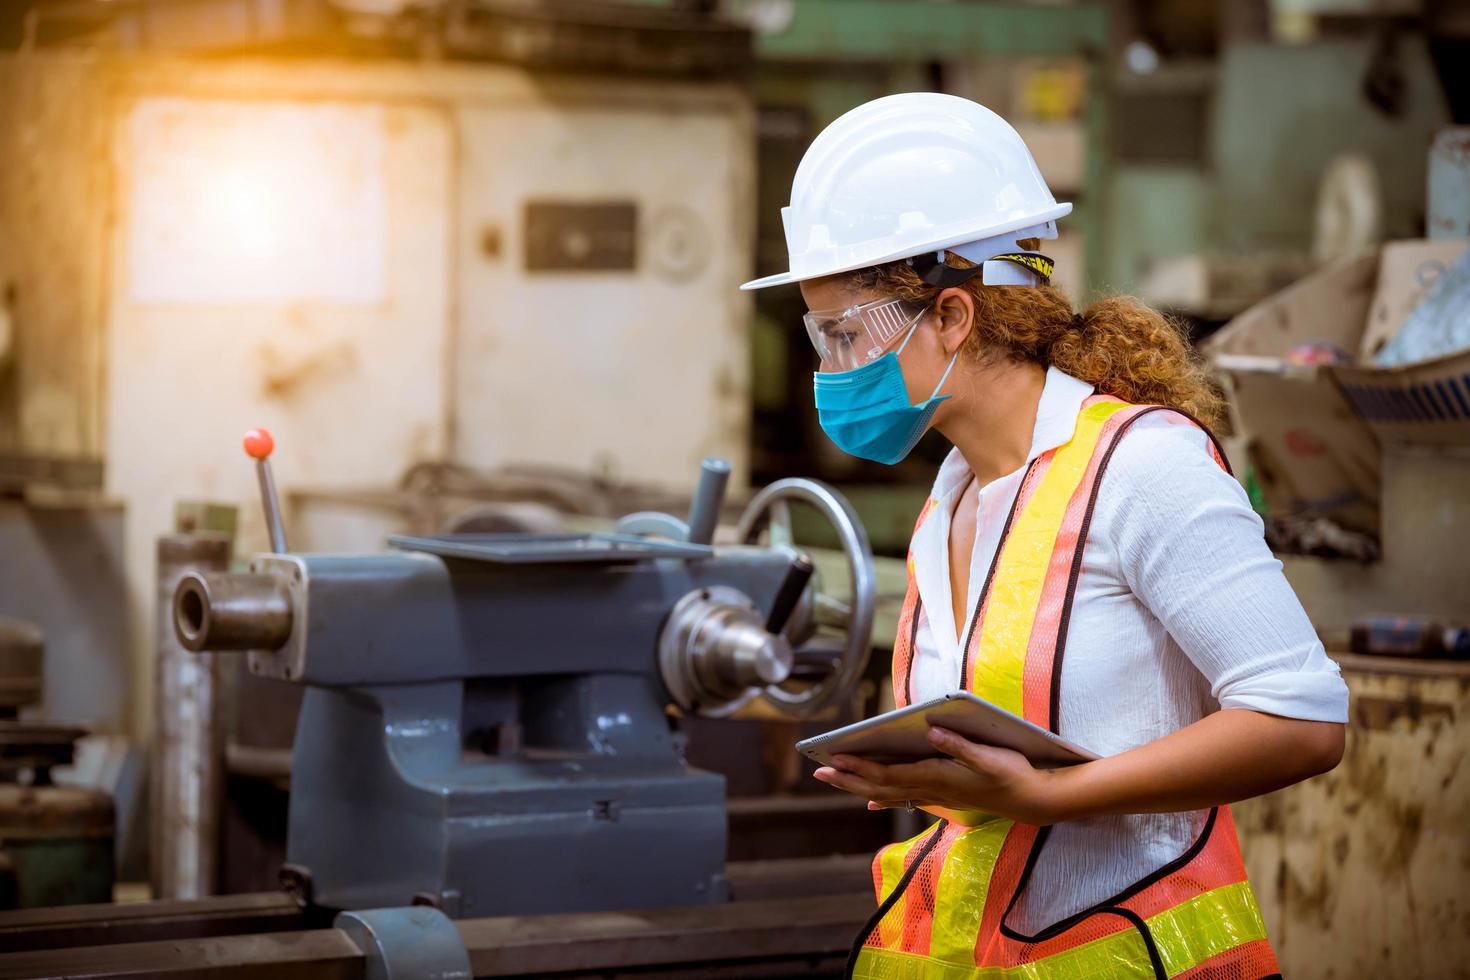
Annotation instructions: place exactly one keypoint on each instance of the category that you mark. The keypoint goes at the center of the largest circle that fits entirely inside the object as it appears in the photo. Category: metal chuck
(716, 651)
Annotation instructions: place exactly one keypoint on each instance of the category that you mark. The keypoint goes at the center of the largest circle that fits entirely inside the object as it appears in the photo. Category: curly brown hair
(1119, 345)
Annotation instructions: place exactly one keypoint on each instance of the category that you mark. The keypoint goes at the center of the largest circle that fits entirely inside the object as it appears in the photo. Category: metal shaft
(188, 750)
(224, 611)
(272, 506)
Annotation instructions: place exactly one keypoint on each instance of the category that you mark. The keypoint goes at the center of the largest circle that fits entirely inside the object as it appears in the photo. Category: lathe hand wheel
(826, 668)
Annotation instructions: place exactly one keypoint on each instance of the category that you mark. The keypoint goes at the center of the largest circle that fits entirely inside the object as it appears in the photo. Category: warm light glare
(247, 206)
(255, 202)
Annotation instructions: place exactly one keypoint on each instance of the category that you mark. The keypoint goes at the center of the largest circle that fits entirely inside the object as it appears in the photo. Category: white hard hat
(909, 174)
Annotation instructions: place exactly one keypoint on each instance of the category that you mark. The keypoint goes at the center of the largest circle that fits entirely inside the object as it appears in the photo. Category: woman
(1085, 560)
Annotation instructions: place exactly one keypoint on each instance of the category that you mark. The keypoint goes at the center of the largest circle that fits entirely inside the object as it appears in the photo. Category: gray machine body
(486, 729)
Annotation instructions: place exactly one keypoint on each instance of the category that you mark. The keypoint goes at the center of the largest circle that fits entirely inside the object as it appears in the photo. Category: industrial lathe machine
(489, 727)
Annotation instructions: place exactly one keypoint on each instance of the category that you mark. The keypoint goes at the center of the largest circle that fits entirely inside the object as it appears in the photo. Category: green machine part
(56, 846)
(55, 841)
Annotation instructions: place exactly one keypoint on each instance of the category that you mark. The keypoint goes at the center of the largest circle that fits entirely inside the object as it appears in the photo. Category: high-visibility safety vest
(945, 897)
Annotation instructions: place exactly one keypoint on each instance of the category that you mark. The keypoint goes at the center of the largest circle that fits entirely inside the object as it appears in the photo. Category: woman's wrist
(1066, 792)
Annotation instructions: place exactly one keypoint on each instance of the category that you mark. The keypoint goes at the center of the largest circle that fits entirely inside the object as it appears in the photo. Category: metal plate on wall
(563, 236)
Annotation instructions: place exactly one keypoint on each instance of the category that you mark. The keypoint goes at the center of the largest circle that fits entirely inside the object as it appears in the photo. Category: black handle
(797, 577)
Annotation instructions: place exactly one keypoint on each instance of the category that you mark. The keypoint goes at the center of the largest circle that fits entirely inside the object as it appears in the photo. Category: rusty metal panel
(54, 130)
(1362, 872)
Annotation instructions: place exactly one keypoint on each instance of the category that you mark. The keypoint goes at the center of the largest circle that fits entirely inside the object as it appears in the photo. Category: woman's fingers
(882, 780)
(858, 786)
(969, 776)
(911, 774)
(982, 759)
(929, 779)
(928, 772)
(875, 772)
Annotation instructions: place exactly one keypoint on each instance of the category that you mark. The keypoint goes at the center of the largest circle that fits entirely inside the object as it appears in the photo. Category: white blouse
(1180, 610)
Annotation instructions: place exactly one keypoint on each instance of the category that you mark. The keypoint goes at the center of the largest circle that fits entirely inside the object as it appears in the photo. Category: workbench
(792, 918)
(1363, 871)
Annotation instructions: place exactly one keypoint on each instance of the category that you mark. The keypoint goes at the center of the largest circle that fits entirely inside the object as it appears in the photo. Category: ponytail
(1125, 348)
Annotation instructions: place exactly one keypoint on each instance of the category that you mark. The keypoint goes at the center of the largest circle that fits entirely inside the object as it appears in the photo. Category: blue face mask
(866, 411)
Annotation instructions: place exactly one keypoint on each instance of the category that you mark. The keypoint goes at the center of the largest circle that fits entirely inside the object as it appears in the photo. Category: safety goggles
(849, 338)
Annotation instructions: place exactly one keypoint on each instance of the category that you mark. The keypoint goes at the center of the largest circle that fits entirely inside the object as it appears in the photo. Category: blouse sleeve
(1192, 550)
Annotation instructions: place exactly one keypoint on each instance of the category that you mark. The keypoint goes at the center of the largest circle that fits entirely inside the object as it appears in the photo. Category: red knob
(258, 443)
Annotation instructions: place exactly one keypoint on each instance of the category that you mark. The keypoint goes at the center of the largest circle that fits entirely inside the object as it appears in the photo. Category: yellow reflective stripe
(959, 897)
(1206, 925)
(891, 863)
(1016, 589)
(1187, 935)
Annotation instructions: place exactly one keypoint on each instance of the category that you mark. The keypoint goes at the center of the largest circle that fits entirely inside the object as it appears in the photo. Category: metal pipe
(189, 738)
(225, 611)
(709, 497)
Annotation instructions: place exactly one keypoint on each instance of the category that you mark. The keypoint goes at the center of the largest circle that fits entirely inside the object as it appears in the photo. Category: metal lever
(259, 445)
(704, 510)
(709, 497)
(789, 594)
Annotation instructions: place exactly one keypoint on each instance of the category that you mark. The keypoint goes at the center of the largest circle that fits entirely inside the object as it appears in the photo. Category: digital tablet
(902, 735)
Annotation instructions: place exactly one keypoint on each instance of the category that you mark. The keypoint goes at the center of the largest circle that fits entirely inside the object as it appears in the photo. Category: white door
(623, 347)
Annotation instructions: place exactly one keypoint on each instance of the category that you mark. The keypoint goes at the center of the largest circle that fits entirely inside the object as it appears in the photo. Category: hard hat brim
(1058, 210)
(779, 279)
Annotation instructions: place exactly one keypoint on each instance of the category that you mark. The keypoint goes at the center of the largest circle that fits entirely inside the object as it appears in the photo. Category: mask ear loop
(912, 328)
(943, 377)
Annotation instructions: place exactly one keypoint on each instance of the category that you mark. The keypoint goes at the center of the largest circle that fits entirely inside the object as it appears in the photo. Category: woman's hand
(1230, 755)
(972, 777)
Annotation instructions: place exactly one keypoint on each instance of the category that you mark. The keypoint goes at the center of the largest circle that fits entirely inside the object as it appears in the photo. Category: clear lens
(849, 338)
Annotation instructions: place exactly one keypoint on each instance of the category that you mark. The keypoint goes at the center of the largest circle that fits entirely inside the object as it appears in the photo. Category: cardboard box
(1314, 431)
(1406, 273)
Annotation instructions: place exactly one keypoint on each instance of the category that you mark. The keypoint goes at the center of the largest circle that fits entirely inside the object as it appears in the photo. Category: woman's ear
(955, 308)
